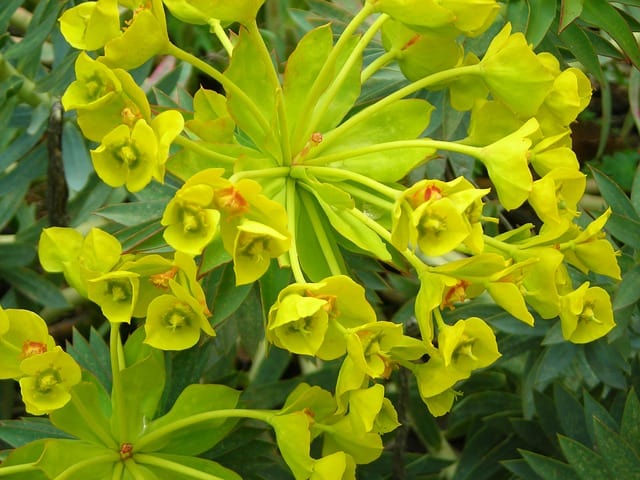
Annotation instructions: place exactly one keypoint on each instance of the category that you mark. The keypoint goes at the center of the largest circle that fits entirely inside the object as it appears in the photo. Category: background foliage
(548, 409)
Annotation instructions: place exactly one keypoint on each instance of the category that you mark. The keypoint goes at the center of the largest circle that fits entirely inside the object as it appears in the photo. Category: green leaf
(540, 19)
(92, 355)
(554, 363)
(630, 425)
(549, 468)
(616, 451)
(9, 7)
(133, 213)
(607, 363)
(578, 43)
(521, 469)
(595, 411)
(16, 254)
(213, 256)
(569, 11)
(634, 100)
(615, 197)
(34, 287)
(404, 119)
(37, 32)
(195, 438)
(250, 322)
(223, 297)
(86, 415)
(603, 15)
(587, 463)
(627, 292)
(20, 147)
(254, 74)
(570, 414)
(169, 467)
(25, 430)
(81, 458)
(76, 159)
(27, 454)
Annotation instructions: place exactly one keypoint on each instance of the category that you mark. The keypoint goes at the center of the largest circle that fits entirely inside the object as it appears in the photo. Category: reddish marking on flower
(126, 451)
(389, 366)
(330, 307)
(430, 192)
(309, 413)
(129, 117)
(30, 348)
(455, 294)
(413, 40)
(231, 201)
(161, 280)
(316, 138)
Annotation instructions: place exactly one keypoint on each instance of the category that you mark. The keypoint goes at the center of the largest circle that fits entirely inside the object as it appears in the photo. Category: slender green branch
(227, 84)
(336, 174)
(325, 74)
(167, 430)
(294, 259)
(321, 235)
(219, 32)
(181, 471)
(367, 196)
(28, 91)
(332, 91)
(379, 63)
(13, 469)
(385, 146)
(509, 249)
(383, 233)
(285, 139)
(273, 172)
(194, 146)
(439, 77)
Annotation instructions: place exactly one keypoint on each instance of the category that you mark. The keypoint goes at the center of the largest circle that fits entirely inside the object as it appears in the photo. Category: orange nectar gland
(145, 6)
(126, 451)
(129, 117)
(455, 294)
(314, 141)
(161, 280)
(30, 349)
(231, 202)
(430, 192)
(330, 307)
(413, 40)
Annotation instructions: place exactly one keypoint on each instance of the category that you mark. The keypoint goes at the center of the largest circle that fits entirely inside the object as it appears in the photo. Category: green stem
(367, 196)
(111, 457)
(321, 235)
(219, 32)
(117, 397)
(273, 172)
(181, 471)
(330, 94)
(167, 430)
(13, 469)
(383, 233)
(382, 147)
(227, 84)
(194, 146)
(283, 124)
(336, 174)
(443, 76)
(294, 259)
(118, 470)
(438, 316)
(380, 62)
(509, 249)
(28, 89)
(325, 74)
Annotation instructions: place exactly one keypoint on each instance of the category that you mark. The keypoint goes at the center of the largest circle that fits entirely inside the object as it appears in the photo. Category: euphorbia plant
(283, 171)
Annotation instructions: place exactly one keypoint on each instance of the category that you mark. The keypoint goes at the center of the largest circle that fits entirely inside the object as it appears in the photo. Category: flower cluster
(30, 355)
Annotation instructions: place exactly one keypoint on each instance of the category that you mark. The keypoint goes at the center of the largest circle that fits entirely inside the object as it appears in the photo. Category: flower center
(47, 379)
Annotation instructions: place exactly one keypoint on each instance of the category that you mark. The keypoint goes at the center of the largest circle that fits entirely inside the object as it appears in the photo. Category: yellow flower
(555, 196)
(116, 293)
(586, 314)
(89, 25)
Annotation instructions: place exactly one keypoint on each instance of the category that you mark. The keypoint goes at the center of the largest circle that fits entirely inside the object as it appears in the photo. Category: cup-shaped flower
(47, 379)
(590, 251)
(144, 37)
(22, 335)
(104, 98)
(192, 216)
(174, 321)
(439, 227)
(336, 466)
(364, 447)
(586, 314)
(514, 73)
(127, 156)
(554, 152)
(89, 25)
(116, 293)
(555, 196)
(64, 250)
(166, 126)
(295, 425)
(570, 95)
(441, 403)
(506, 161)
(298, 324)
(467, 345)
(255, 245)
(371, 411)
